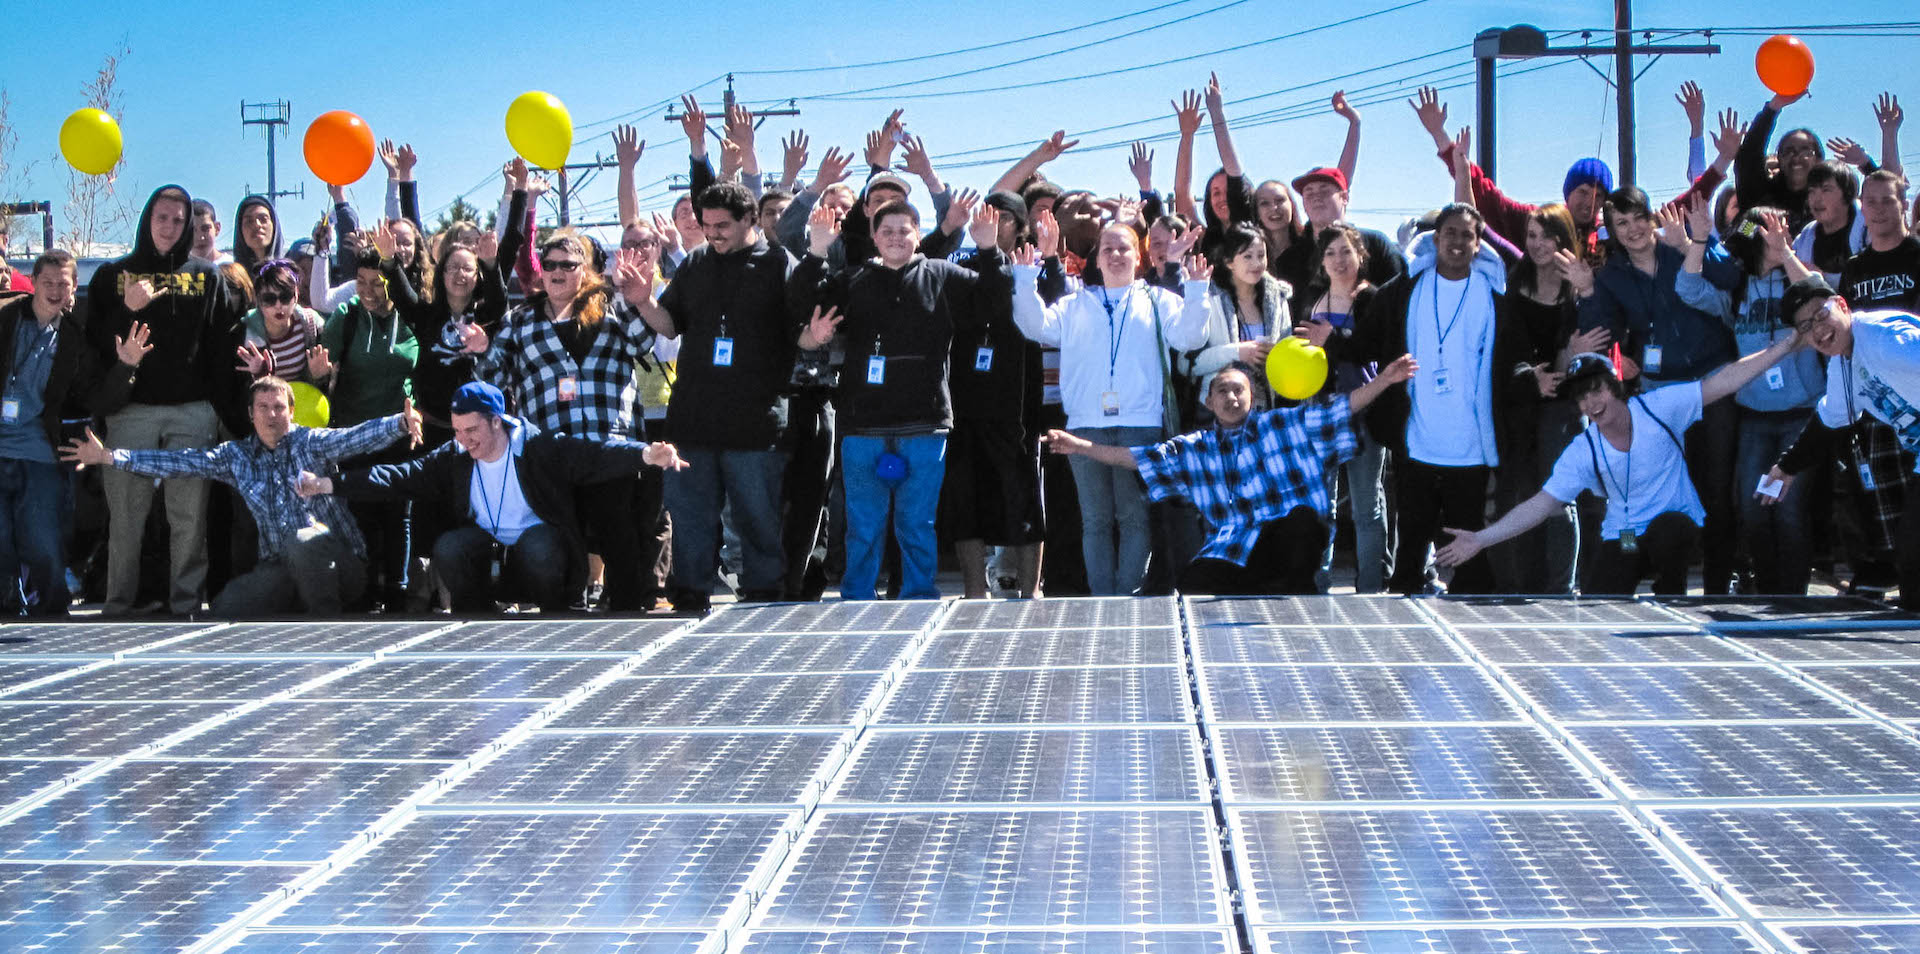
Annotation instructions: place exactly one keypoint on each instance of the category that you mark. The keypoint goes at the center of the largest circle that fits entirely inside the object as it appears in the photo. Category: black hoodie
(196, 324)
(243, 255)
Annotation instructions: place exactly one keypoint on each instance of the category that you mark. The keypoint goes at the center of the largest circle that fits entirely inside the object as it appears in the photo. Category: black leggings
(1284, 561)
(1665, 552)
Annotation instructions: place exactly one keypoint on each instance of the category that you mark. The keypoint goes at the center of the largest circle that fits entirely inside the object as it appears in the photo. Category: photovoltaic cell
(1810, 862)
(1852, 938)
(301, 638)
(662, 701)
(1047, 648)
(22, 777)
(163, 908)
(1325, 644)
(1893, 690)
(359, 730)
(989, 942)
(1024, 766)
(13, 675)
(1394, 764)
(998, 869)
(1035, 696)
(887, 617)
(1307, 611)
(1072, 613)
(1782, 609)
(1866, 645)
(1760, 760)
(1585, 939)
(1666, 693)
(92, 730)
(740, 653)
(1455, 865)
(623, 636)
(212, 811)
(153, 680)
(86, 639)
(560, 871)
(464, 679)
(470, 942)
(1536, 611)
(1511, 645)
(653, 768)
(1352, 694)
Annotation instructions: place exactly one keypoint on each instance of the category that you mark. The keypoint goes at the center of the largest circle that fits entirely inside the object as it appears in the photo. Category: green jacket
(372, 363)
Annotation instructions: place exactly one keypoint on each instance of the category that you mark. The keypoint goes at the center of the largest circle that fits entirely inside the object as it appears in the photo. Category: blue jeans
(914, 502)
(32, 508)
(1362, 475)
(1115, 537)
(1775, 536)
(748, 481)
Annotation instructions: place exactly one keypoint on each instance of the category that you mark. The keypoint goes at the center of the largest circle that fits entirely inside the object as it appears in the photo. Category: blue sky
(442, 81)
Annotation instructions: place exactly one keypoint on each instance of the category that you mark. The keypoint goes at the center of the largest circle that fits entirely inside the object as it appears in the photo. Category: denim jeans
(1115, 537)
(1775, 536)
(1362, 475)
(748, 481)
(914, 503)
(537, 568)
(319, 575)
(32, 504)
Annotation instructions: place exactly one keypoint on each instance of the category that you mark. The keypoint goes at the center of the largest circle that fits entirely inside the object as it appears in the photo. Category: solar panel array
(1118, 776)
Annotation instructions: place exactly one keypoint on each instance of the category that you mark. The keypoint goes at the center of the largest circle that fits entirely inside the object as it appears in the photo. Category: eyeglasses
(641, 243)
(1819, 315)
(275, 297)
(550, 265)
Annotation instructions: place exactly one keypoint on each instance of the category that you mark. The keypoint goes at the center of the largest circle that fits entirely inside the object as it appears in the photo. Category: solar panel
(1306, 611)
(13, 675)
(22, 777)
(653, 768)
(153, 680)
(1759, 760)
(1000, 869)
(1810, 862)
(620, 636)
(1585, 939)
(735, 653)
(300, 638)
(1024, 766)
(1867, 645)
(470, 942)
(464, 679)
(989, 942)
(88, 638)
(1590, 693)
(1893, 690)
(1852, 938)
(1454, 865)
(1352, 694)
(1127, 695)
(887, 617)
(660, 701)
(1325, 644)
(359, 730)
(212, 811)
(1075, 613)
(1415, 763)
(71, 907)
(1518, 644)
(92, 730)
(1783, 609)
(1000, 649)
(1536, 611)
(550, 871)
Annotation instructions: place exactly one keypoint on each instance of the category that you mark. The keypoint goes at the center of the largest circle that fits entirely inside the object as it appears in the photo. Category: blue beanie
(1585, 171)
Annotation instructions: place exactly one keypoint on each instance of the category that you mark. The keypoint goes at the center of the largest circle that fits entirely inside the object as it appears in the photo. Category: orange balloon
(1785, 65)
(339, 147)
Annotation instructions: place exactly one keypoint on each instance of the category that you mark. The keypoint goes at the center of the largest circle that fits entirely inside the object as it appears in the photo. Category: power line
(649, 110)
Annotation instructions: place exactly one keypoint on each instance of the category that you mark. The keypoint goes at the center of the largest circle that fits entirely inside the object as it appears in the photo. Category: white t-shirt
(1450, 401)
(498, 506)
(1650, 478)
(1882, 378)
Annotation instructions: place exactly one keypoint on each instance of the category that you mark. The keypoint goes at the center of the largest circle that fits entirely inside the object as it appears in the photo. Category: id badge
(9, 410)
(1651, 364)
(569, 389)
(1776, 379)
(1866, 473)
(877, 369)
(1442, 382)
(723, 352)
(983, 360)
(1629, 541)
(1110, 403)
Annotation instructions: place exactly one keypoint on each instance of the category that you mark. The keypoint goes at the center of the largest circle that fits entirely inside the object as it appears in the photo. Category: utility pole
(1524, 42)
(570, 186)
(727, 102)
(275, 116)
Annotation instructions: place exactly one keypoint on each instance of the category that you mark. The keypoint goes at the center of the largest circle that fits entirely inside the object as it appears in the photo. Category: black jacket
(742, 406)
(75, 383)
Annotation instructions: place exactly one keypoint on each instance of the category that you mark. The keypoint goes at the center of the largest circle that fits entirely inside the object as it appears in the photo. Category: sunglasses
(275, 297)
(550, 265)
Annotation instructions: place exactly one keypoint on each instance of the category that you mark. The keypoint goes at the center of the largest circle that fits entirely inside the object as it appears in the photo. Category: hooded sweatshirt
(243, 255)
(195, 324)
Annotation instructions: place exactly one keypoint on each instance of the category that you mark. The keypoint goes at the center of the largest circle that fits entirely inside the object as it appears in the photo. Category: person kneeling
(312, 557)
(1259, 481)
(1632, 455)
(507, 491)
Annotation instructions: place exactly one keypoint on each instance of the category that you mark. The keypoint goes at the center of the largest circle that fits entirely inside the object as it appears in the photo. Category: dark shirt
(1644, 310)
(1889, 279)
(996, 392)
(740, 297)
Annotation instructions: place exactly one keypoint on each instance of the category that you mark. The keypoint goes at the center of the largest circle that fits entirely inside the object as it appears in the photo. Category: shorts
(992, 487)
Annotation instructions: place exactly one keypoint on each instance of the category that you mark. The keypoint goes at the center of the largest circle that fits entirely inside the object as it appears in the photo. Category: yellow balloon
(309, 405)
(540, 129)
(90, 141)
(1297, 370)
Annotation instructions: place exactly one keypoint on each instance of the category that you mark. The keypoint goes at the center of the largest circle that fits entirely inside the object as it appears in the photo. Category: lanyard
(1115, 337)
(499, 503)
(1626, 486)
(1441, 348)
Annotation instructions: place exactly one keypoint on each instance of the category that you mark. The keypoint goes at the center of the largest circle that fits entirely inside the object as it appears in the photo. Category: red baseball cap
(1322, 174)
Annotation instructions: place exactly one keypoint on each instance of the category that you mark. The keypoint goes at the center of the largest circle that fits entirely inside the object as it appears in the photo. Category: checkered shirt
(528, 360)
(1242, 479)
(265, 478)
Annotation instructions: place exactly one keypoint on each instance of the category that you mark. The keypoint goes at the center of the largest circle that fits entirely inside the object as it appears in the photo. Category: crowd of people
(788, 383)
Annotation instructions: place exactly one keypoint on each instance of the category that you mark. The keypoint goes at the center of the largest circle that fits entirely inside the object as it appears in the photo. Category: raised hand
(1055, 145)
(822, 228)
(140, 294)
(319, 365)
(406, 160)
(1848, 151)
(1726, 140)
(1774, 233)
(669, 236)
(960, 210)
(1186, 112)
(253, 359)
(473, 338)
(1699, 218)
(1694, 102)
(1177, 249)
(1781, 101)
(410, 416)
(1462, 150)
(1026, 254)
(833, 169)
(732, 160)
(917, 160)
(322, 236)
(1431, 113)
(516, 174)
(384, 240)
(1344, 109)
(87, 452)
(1591, 341)
(693, 122)
(1886, 112)
(134, 347)
(390, 157)
(537, 186)
(664, 456)
(487, 249)
(1216, 99)
(820, 328)
(627, 146)
(633, 274)
(879, 149)
(740, 127)
(1199, 269)
(793, 157)
(1673, 227)
(1140, 163)
(309, 485)
(1046, 232)
(985, 225)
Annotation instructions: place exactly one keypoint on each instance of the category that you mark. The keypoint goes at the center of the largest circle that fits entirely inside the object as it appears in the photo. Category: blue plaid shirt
(265, 477)
(1242, 479)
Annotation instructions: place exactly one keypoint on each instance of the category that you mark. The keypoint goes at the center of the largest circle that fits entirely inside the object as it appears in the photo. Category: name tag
(9, 410)
(983, 360)
(1442, 382)
(723, 352)
(1110, 403)
(1652, 363)
(569, 389)
(1776, 379)
(877, 369)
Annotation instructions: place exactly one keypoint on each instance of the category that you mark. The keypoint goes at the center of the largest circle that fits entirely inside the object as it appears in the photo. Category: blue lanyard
(1440, 349)
(1115, 337)
(499, 505)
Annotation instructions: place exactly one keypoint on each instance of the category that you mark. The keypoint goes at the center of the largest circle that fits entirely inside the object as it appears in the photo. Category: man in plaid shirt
(312, 557)
(1259, 480)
